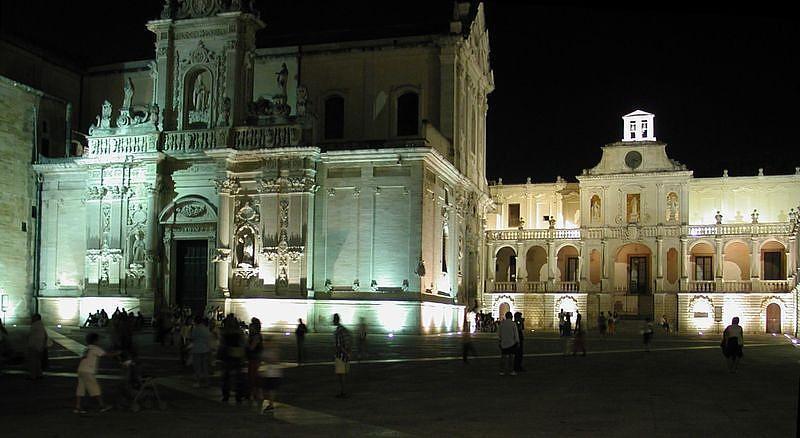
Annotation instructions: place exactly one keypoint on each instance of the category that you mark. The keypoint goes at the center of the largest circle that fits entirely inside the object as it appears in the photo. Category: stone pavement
(417, 386)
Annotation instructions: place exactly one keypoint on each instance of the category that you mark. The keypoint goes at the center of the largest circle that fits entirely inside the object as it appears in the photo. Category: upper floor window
(633, 129)
(773, 266)
(334, 118)
(408, 114)
(513, 215)
(703, 268)
(644, 128)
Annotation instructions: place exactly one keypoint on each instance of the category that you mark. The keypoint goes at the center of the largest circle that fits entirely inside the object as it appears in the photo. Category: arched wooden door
(773, 318)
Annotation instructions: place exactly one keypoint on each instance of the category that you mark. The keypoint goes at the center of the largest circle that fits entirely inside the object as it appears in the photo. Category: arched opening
(536, 263)
(567, 264)
(334, 117)
(595, 266)
(632, 269)
(408, 114)
(774, 318)
(701, 262)
(737, 262)
(773, 261)
(506, 269)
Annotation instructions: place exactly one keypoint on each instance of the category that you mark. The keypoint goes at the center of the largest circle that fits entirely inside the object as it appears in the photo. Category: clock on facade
(633, 159)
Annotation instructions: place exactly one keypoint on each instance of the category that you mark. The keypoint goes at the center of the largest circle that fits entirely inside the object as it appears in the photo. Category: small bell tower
(204, 62)
(638, 126)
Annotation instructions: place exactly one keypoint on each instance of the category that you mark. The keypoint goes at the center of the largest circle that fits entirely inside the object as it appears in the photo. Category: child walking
(87, 382)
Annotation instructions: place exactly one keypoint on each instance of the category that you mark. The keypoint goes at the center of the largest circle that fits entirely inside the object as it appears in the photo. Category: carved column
(151, 271)
(522, 270)
(659, 258)
(581, 277)
(718, 256)
(755, 260)
(226, 188)
(684, 263)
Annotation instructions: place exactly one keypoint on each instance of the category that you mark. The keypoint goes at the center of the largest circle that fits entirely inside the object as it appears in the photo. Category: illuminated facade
(640, 235)
(275, 182)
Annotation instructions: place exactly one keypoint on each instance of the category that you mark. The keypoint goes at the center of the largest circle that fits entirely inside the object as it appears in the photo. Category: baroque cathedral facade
(278, 183)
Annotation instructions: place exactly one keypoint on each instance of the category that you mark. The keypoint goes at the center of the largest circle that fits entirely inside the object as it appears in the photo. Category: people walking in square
(601, 324)
(87, 368)
(518, 354)
(578, 320)
(611, 323)
(579, 341)
(647, 334)
(300, 335)
(665, 324)
(273, 374)
(37, 347)
(732, 344)
(201, 350)
(508, 335)
(231, 353)
(362, 338)
(254, 349)
(561, 322)
(342, 343)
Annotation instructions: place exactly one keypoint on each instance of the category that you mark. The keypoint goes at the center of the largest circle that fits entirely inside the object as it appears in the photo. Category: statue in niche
(283, 76)
(633, 207)
(200, 96)
(245, 249)
(138, 249)
(672, 207)
(104, 119)
(595, 209)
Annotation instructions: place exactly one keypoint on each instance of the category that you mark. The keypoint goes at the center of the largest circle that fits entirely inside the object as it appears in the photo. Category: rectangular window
(644, 128)
(513, 215)
(572, 269)
(773, 266)
(702, 268)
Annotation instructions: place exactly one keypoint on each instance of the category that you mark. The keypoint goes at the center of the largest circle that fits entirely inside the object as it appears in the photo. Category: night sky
(722, 82)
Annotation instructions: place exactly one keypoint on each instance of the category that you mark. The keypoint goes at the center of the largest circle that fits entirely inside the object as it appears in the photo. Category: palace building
(281, 182)
(639, 235)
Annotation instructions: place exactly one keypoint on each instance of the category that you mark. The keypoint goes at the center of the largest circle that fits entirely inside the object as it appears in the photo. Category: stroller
(139, 390)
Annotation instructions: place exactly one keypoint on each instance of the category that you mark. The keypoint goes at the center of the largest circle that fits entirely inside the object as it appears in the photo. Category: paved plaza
(418, 386)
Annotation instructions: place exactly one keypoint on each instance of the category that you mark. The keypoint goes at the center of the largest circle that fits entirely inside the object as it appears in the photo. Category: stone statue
(283, 76)
(633, 208)
(595, 209)
(128, 95)
(138, 249)
(672, 207)
(718, 218)
(245, 248)
(302, 100)
(105, 116)
(200, 96)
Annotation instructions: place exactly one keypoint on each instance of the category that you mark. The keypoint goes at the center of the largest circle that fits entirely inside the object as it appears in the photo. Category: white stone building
(640, 235)
(278, 182)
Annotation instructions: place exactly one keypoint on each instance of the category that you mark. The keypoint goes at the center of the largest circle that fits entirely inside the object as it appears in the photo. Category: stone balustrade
(121, 145)
(634, 232)
(265, 137)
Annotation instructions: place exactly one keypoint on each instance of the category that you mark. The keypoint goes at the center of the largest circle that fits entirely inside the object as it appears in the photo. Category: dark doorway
(773, 318)
(638, 278)
(191, 276)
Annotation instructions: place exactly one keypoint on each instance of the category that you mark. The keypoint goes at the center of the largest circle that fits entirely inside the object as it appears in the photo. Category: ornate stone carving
(228, 185)
(192, 209)
(286, 184)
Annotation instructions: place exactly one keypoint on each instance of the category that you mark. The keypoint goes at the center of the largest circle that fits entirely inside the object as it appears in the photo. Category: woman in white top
(732, 343)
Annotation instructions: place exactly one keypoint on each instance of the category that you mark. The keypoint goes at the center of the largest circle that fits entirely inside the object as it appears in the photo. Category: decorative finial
(718, 218)
(754, 216)
(725, 173)
(760, 171)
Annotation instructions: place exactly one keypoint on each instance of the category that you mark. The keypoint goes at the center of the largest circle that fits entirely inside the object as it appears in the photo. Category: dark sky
(722, 81)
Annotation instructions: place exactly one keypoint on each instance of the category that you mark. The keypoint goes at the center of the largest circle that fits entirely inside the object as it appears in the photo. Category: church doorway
(637, 280)
(773, 318)
(191, 275)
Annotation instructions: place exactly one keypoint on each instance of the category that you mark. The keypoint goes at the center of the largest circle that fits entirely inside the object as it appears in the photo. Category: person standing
(467, 347)
(37, 347)
(568, 324)
(561, 323)
(342, 340)
(601, 324)
(578, 320)
(508, 335)
(201, 350)
(273, 374)
(611, 322)
(231, 353)
(665, 324)
(362, 338)
(732, 344)
(255, 346)
(579, 341)
(87, 368)
(300, 335)
(647, 334)
(520, 322)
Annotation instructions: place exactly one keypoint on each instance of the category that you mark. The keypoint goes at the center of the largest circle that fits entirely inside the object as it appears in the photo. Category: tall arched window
(334, 118)
(408, 114)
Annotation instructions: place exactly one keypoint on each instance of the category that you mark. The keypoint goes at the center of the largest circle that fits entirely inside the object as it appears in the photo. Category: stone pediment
(188, 209)
(635, 157)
